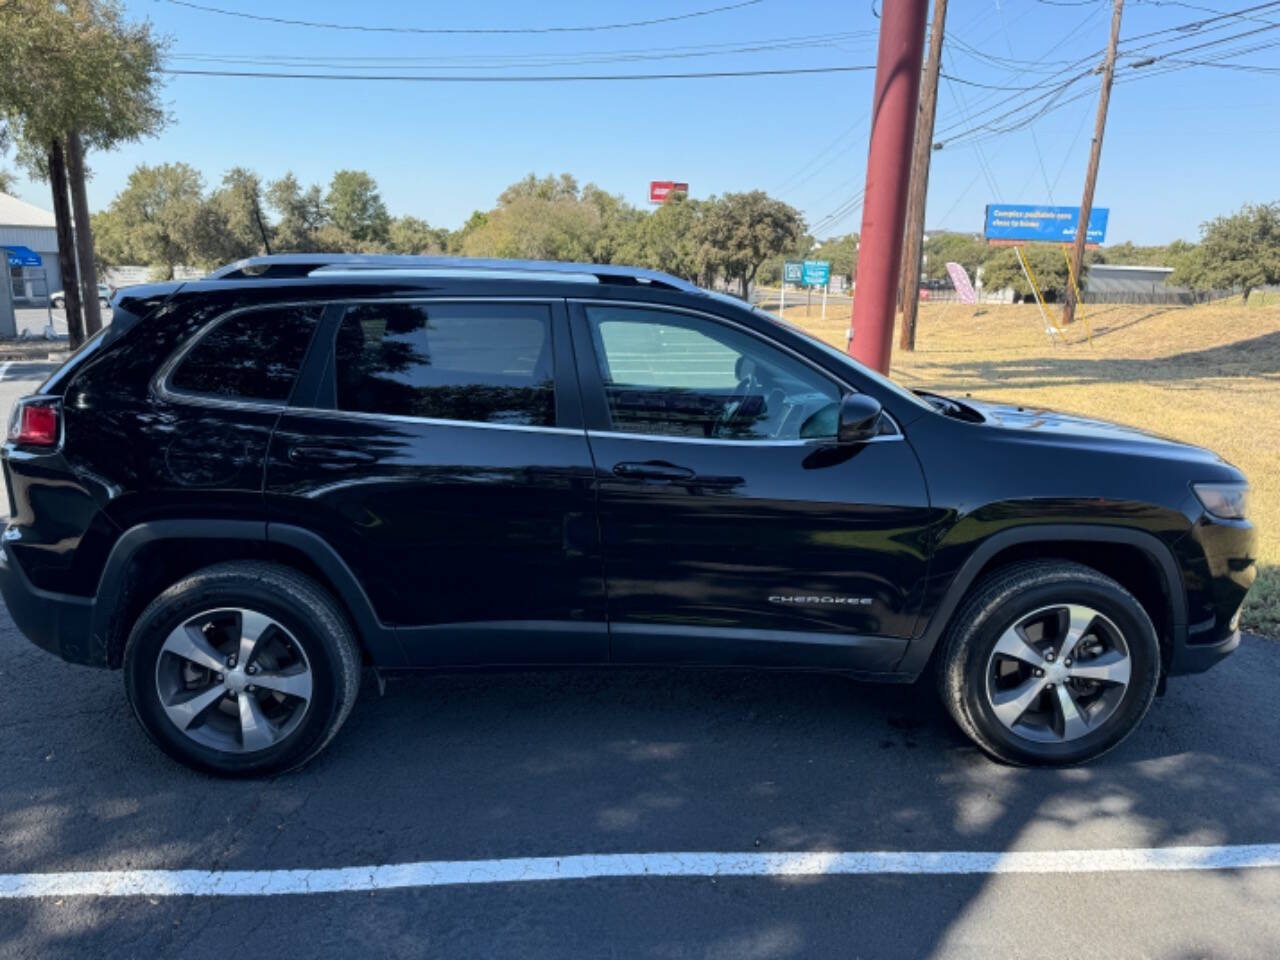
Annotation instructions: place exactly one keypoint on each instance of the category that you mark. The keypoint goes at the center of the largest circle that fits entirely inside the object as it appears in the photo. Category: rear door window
(476, 362)
(254, 355)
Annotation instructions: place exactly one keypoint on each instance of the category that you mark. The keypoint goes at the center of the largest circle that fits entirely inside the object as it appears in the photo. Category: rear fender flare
(378, 640)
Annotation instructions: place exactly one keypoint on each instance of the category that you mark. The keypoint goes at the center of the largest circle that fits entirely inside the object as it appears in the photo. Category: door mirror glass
(859, 418)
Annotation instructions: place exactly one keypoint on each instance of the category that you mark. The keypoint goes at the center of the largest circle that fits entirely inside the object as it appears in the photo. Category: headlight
(1229, 501)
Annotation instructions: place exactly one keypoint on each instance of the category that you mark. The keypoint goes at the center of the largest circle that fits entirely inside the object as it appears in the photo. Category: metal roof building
(24, 225)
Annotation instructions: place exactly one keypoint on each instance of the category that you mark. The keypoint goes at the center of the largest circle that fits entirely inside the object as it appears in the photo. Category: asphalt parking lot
(686, 775)
(473, 767)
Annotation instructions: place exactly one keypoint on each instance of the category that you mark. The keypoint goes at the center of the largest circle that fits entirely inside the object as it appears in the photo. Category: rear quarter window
(253, 355)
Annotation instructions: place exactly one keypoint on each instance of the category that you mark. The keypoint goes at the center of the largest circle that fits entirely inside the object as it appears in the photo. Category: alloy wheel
(1058, 673)
(233, 679)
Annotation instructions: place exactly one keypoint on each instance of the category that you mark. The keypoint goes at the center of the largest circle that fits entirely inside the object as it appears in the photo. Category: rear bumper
(58, 622)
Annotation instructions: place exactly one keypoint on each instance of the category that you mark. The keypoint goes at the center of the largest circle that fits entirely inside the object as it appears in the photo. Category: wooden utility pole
(84, 237)
(1091, 177)
(913, 245)
(66, 245)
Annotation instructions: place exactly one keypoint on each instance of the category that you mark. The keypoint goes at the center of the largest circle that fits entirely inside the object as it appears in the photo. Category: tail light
(36, 422)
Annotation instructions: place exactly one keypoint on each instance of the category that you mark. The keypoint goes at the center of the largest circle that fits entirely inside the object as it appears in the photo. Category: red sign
(659, 190)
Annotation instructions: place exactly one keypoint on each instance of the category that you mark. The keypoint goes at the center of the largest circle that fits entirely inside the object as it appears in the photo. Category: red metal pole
(884, 205)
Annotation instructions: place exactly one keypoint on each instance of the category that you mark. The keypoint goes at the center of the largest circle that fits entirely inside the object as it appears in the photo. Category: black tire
(1002, 600)
(295, 602)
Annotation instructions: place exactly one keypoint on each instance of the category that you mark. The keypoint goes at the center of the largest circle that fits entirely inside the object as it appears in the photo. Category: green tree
(1239, 251)
(356, 210)
(160, 219)
(458, 239)
(740, 231)
(969, 250)
(76, 76)
(238, 206)
(667, 239)
(549, 189)
(8, 181)
(1048, 266)
(617, 237)
(541, 219)
(414, 235)
(302, 214)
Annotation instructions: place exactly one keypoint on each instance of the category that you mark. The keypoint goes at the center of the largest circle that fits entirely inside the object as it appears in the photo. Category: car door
(441, 454)
(735, 529)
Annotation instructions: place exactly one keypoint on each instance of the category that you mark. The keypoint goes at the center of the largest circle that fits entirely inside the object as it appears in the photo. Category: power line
(501, 61)
(529, 78)
(369, 28)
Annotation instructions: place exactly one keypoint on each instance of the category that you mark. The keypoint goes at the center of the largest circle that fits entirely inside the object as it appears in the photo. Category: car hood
(1069, 428)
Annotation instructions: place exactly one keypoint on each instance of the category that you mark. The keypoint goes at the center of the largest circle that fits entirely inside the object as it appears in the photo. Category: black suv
(247, 487)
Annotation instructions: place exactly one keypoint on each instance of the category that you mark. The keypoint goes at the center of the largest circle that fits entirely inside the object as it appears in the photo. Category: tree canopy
(1238, 251)
(77, 65)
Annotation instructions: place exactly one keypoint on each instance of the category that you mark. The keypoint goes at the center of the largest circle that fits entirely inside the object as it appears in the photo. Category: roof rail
(307, 264)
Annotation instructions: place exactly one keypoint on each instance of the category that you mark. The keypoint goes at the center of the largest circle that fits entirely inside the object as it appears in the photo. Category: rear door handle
(653, 470)
(333, 458)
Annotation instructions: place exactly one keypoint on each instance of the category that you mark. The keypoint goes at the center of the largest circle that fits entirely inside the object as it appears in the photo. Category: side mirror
(859, 418)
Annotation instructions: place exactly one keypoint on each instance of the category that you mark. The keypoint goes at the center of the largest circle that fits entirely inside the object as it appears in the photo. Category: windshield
(879, 378)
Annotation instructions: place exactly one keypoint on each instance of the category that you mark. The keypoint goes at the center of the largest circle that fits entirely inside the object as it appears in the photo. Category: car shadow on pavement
(486, 765)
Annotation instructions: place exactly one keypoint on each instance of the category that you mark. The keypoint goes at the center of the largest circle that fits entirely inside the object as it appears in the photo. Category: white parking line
(442, 873)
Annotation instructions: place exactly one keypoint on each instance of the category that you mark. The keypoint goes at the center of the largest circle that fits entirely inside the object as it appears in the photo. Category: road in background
(33, 320)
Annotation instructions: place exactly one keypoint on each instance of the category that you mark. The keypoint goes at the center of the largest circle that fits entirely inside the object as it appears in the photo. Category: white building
(26, 227)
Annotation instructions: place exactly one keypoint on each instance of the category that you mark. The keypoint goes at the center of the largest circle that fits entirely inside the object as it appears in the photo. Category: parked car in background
(247, 487)
(58, 299)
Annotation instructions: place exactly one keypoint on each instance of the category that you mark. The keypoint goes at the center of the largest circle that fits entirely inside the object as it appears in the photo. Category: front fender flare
(921, 646)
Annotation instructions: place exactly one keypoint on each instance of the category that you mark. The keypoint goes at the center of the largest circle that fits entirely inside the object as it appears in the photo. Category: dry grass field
(1209, 375)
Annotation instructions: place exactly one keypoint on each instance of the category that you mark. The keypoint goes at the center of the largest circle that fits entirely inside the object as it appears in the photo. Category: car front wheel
(1049, 663)
(242, 669)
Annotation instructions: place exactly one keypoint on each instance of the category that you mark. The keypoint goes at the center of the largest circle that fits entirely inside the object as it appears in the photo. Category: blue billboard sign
(1046, 224)
(816, 273)
(792, 271)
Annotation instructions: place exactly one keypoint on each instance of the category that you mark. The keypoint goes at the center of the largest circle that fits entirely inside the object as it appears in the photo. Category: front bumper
(57, 622)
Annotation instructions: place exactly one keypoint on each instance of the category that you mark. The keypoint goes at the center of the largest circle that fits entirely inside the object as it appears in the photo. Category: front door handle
(332, 458)
(653, 470)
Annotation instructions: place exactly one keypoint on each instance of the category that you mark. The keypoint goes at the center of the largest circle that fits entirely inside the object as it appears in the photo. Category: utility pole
(913, 246)
(893, 112)
(1091, 177)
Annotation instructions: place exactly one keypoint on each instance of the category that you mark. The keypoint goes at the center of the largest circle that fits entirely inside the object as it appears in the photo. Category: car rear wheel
(1049, 663)
(242, 669)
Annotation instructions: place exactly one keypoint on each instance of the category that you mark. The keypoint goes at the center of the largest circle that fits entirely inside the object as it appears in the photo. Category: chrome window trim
(432, 421)
(161, 387)
(806, 442)
(715, 318)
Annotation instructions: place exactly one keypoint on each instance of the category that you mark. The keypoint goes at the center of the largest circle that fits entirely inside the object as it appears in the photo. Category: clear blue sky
(1180, 148)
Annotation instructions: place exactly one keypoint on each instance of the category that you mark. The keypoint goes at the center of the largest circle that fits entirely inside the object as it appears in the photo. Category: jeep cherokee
(247, 487)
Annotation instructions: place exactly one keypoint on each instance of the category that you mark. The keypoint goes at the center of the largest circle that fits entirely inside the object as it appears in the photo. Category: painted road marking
(442, 873)
(4, 368)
